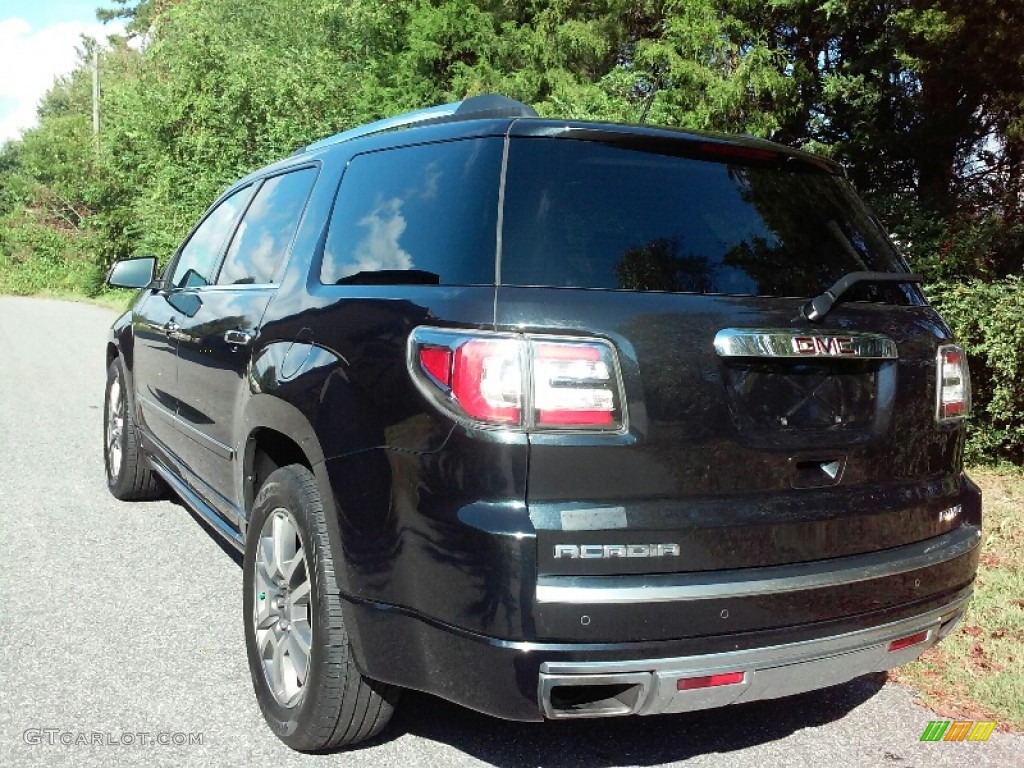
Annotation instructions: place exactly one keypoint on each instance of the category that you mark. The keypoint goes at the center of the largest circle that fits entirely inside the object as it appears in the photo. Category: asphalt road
(122, 622)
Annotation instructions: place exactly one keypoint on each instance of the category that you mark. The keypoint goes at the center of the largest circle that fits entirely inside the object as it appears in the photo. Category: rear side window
(425, 214)
(197, 263)
(266, 231)
(592, 215)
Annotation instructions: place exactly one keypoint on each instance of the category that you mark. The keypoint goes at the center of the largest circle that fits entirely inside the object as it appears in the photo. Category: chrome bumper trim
(750, 582)
(769, 672)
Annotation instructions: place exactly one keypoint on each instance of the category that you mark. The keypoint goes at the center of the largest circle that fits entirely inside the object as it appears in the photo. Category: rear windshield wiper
(815, 309)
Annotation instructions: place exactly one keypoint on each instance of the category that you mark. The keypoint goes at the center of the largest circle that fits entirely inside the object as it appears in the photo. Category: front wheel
(306, 681)
(129, 477)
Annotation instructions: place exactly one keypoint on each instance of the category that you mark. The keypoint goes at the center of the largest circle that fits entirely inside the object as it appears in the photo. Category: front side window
(425, 214)
(585, 214)
(267, 229)
(200, 256)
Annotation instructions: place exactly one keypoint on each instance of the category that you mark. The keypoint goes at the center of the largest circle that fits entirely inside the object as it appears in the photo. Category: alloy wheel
(282, 609)
(115, 427)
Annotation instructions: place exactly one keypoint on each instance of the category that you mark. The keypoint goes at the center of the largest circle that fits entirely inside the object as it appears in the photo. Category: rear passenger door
(215, 345)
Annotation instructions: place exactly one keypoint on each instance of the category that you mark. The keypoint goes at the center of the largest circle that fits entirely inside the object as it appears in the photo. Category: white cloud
(379, 249)
(30, 60)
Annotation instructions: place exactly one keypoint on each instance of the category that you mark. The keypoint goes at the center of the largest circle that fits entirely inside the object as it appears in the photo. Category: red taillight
(487, 380)
(570, 384)
(710, 681)
(906, 642)
(953, 400)
(437, 361)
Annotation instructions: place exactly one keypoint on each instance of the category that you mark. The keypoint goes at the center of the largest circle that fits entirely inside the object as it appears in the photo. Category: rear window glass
(592, 215)
(425, 214)
(267, 228)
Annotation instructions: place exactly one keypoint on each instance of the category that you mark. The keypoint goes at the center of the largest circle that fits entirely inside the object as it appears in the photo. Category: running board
(199, 506)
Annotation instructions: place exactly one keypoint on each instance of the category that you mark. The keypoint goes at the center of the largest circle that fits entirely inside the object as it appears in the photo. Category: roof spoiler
(475, 107)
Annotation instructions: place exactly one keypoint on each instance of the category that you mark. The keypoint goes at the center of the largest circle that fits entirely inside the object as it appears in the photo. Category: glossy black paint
(444, 530)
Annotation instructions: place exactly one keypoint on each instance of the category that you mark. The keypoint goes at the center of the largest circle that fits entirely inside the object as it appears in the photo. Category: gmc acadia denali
(553, 419)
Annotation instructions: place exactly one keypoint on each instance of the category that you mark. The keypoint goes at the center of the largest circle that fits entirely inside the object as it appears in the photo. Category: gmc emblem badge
(823, 345)
(608, 551)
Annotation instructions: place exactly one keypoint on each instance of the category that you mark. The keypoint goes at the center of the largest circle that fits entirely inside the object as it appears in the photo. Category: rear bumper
(516, 680)
(623, 643)
(667, 606)
(651, 686)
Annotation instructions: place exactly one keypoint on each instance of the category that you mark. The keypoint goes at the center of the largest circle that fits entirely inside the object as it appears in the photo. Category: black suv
(553, 419)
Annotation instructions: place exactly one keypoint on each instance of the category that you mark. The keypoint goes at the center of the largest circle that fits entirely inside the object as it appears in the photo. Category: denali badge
(605, 551)
(784, 342)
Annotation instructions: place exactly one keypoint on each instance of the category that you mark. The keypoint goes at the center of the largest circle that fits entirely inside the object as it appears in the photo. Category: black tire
(336, 705)
(129, 476)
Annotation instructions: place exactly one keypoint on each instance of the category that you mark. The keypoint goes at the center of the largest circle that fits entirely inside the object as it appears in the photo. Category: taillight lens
(487, 380)
(537, 383)
(573, 384)
(954, 384)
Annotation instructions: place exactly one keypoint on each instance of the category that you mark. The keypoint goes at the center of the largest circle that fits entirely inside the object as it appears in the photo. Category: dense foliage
(922, 101)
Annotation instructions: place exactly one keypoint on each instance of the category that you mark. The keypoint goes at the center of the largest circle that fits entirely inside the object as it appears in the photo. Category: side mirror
(132, 273)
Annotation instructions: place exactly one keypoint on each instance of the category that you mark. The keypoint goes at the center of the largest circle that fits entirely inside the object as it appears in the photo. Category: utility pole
(96, 95)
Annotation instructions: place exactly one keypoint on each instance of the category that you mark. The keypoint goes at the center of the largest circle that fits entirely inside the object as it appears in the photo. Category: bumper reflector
(711, 681)
(906, 642)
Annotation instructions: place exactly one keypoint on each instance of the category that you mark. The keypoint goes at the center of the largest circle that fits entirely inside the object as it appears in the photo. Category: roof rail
(475, 107)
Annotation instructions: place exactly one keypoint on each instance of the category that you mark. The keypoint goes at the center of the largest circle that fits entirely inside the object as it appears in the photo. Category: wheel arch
(280, 432)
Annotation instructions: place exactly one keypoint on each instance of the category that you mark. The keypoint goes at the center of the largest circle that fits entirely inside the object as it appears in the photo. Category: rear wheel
(300, 659)
(129, 476)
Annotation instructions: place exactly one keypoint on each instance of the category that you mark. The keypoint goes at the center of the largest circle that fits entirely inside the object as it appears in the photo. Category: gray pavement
(123, 622)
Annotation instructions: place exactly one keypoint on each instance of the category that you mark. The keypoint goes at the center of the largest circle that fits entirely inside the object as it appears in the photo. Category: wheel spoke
(293, 564)
(298, 654)
(301, 593)
(302, 636)
(266, 617)
(266, 558)
(284, 544)
(278, 663)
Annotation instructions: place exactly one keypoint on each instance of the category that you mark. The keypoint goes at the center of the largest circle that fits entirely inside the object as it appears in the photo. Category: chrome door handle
(239, 338)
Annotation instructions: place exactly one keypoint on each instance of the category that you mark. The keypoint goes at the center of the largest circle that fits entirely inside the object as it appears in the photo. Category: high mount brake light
(738, 150)
(953, 385)
(536, 383)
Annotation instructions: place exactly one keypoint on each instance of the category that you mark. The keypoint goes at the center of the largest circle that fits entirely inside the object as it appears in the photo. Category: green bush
(36, 257)
(988, 319)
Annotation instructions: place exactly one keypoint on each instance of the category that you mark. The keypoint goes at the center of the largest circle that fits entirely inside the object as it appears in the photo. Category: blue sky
(43, 13)
(37, 43)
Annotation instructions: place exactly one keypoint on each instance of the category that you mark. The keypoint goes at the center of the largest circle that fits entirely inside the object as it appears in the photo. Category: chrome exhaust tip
(563, 697)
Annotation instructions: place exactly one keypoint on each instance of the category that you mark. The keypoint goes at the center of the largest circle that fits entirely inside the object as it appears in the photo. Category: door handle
(238, 338)
(171, 327)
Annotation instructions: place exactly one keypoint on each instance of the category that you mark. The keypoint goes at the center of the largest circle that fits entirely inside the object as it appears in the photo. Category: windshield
(592, 215)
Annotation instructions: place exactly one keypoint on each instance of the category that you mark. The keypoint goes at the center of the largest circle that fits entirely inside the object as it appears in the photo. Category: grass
(977, 673)
(70, 279)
